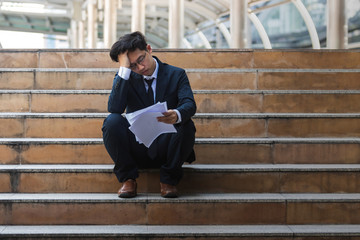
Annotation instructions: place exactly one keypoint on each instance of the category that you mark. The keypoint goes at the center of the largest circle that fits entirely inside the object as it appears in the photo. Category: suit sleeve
(118, 96)
(186, 102)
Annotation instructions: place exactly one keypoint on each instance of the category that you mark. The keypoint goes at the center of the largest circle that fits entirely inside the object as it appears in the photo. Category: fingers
(168, 113)
(169, 117)
(124, 59)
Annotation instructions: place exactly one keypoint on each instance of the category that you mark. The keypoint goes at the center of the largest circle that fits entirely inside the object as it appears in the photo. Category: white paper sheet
(145, 126)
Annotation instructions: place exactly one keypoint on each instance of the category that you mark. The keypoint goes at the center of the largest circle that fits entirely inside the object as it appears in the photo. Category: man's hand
(170, 117)
(124, 59)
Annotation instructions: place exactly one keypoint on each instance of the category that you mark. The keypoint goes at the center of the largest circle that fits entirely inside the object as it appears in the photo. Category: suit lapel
(162, 82)
(139, 87)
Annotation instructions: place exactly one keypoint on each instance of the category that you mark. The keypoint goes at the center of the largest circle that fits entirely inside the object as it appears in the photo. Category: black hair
(129, 42)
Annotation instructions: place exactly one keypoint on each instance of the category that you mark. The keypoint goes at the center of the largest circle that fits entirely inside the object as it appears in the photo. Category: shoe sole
(127, 195)
(170, 195)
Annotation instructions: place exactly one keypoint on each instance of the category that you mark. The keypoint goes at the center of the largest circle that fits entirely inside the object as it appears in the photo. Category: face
(142, 62)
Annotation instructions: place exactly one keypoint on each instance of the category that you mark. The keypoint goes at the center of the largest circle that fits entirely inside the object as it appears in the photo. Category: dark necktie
(150, 91)
(150, 94)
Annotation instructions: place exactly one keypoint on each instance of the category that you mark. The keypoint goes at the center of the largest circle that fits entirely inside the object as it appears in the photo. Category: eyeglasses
(139, 61)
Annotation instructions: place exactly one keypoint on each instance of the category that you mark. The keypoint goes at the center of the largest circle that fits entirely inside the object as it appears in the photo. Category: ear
(149, 49)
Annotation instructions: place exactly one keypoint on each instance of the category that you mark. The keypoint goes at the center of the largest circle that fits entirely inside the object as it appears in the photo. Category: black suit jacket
(172, 86)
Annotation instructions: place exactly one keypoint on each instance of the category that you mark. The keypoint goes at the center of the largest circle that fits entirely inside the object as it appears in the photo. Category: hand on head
(124, 59)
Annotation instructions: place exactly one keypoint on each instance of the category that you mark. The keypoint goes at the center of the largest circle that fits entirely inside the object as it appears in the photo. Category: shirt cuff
(124, 73)
(179, 116)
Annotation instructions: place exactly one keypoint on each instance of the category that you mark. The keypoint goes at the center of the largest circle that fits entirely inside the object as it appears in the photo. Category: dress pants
(168, 152)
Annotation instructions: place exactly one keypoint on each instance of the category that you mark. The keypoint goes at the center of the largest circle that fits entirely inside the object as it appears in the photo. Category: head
(138, 51)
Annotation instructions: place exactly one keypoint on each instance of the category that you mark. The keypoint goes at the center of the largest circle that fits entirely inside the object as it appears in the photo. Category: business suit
(169, 151)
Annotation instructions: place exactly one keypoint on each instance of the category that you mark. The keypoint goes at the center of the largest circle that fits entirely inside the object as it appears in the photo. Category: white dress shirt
(124, 73)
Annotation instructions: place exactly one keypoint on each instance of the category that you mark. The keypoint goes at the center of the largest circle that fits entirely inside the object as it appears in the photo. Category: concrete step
(277, 101)
(157, 232)
(206, 209)
(208, 151)
(206, 58)
(274, 125)
(200, 79)
(332, 79)
(65, 79)
(88, 125)
(208, 101)
(57, 100)
(198, 178)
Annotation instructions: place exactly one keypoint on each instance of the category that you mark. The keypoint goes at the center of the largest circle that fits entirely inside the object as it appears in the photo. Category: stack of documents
(145, 126)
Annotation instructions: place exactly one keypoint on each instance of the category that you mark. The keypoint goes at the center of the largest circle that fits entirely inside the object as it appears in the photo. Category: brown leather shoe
(128, 189)
(168, 191)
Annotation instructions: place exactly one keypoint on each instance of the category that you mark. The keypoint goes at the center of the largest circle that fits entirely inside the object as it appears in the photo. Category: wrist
(124, 65)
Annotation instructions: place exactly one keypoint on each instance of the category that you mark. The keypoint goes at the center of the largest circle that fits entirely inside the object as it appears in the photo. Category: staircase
(278, 148)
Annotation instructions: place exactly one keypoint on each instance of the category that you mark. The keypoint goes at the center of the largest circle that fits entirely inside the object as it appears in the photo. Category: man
(142, 75)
